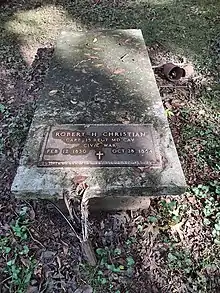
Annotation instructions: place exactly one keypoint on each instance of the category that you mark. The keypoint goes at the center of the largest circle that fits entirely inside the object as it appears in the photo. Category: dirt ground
(174, 245)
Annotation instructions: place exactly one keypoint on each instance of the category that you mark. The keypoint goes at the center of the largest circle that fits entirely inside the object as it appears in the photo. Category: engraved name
(63, 133)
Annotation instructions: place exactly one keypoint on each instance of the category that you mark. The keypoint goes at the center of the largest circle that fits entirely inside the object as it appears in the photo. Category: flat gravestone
(100, 145)
(100, 121)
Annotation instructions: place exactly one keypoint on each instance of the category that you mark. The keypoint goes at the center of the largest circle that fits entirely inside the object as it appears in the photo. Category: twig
(122, 57)
(68, 222)
(173, 86)
(66, 201)
(35, 240)
(158, 66)
(83, 281)
(71, 209)
(84, 215)
(5, 280)
(164, 63)
(75, 215)
(86, 244)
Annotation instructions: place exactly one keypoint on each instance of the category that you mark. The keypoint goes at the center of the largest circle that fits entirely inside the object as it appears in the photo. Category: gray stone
(100, 77)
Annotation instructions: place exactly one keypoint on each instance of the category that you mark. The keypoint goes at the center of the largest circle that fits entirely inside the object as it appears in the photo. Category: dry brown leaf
(177, 229)
(24, 261)
(79, 179)
(65, 249)
(84, 289)
(32, 289)
(98, 65)
(97, 49)
(119, 71)
(53, 92)
(154, 230)
(32, 214)
(59, 262)
(91, 56)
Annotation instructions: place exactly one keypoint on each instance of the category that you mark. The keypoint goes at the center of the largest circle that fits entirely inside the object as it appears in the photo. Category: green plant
(15, 127)
(202, 134)
(2, 108)
(179, 260)
(14, 248)
(169, 113)
(130, 241)
(109, 269)
(172, 210)
(209, 197)
(106, 256)
(152, 219)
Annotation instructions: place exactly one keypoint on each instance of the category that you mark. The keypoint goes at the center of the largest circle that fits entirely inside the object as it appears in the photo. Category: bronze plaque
(99, 145)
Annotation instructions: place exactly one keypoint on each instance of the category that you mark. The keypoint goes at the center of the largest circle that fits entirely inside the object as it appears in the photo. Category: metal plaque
(100, 145)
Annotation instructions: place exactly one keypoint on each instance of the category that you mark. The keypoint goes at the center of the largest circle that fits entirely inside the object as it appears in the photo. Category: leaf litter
(143, 246)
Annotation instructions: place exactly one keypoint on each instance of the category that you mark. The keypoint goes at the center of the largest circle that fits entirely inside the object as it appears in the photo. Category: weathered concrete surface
(99, 77)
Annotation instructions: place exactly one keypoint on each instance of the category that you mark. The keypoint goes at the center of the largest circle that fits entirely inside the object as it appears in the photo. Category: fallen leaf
(98, 65)
(94, 81)
(79, 179)
(32, 289)
(177, 228)
(24, 261)
(189, 69)
(59, 262)
(32, 214)
(53, 92)
(119, 71)
(84, 289)
(202, 112)
(97, 49)
(47, 256)
(65, 249)
(102, 225)
(91, 56)
(153, 229)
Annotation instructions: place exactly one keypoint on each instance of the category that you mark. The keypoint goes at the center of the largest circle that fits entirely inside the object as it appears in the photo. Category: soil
(168, 255)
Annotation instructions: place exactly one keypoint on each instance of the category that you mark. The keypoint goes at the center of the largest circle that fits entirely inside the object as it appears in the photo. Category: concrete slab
(100, 77)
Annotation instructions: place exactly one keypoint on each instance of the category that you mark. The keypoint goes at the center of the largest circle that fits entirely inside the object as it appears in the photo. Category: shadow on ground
(189, 29)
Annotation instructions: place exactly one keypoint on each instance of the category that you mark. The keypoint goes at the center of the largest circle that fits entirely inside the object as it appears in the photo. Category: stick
(5, 280)
(86, 244)
(173, 86)
(35, 240)
(68, 222)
